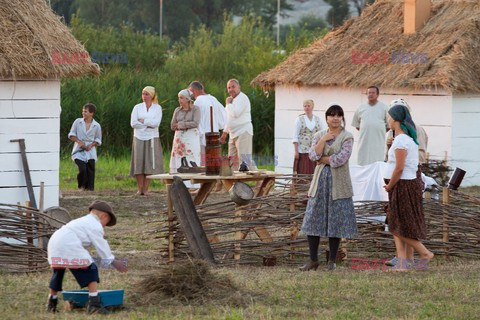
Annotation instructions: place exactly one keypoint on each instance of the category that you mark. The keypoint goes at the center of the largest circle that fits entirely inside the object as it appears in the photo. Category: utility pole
(161, 17)
(278, 22)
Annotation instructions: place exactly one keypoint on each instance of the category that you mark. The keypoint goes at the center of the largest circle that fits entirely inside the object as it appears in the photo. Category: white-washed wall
(466, 137)
(29, 110)
(431, 110)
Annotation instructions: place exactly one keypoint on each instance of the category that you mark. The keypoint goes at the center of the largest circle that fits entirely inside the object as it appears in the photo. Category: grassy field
(447, 290)
(111, 173)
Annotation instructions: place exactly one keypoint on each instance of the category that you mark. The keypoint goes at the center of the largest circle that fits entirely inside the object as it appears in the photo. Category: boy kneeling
(67, 250)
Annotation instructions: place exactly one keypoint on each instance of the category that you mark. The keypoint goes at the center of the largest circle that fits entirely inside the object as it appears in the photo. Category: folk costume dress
(330, 211)
(186, 142)
(305, 129)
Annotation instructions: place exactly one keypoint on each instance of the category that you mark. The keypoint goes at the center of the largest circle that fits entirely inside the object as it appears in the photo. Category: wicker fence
(268, 227)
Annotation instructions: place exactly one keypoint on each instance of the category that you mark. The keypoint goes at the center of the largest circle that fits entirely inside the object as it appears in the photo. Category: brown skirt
(304, 164)
(405, 210)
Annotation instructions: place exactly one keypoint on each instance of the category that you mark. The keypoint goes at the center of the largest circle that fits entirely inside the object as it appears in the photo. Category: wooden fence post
(445, 229)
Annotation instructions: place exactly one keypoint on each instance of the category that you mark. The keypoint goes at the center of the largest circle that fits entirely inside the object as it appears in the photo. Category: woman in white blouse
(405, 216)
(306, 125)
(147, 155)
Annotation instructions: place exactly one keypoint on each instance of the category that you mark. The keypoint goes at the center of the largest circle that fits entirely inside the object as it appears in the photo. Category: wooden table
(267, 179)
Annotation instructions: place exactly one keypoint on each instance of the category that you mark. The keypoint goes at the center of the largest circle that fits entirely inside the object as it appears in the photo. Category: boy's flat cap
(105, 207)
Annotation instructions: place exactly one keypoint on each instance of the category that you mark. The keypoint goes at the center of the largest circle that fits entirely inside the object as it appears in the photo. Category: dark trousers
(86, 174)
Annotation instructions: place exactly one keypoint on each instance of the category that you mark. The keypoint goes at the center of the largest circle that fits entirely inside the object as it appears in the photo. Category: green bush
(241, 51)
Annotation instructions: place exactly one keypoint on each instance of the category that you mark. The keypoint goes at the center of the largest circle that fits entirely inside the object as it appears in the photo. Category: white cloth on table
(367, 182)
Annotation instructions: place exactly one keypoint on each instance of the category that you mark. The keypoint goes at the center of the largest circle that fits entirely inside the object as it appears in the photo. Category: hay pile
(193, 282)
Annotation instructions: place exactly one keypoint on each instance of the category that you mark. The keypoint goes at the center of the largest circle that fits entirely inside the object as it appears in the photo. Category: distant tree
(63, 8)
(338, 13)
(179, 16)
(312, 22)
(361, 4)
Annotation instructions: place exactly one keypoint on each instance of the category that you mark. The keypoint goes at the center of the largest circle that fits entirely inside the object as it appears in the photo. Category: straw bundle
(190, 281)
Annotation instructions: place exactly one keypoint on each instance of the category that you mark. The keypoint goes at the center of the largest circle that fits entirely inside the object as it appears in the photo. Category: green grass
(449, 290)
(112, 173)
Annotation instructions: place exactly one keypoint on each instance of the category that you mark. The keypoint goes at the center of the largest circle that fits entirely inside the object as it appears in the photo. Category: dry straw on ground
(192, 282)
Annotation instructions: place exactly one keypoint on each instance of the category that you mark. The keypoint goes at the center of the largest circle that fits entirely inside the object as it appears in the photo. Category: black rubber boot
(52, 305)
(94, 305)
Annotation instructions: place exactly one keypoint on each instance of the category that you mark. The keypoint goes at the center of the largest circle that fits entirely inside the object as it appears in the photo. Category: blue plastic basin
(107, 297)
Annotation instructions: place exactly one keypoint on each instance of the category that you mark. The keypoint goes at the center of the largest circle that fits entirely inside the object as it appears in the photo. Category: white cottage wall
(432, 110)
(29, 110)
(466, 137)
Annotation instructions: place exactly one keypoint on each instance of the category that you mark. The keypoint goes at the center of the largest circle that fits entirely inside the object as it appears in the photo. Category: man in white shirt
(239, 126)
(371, 120)
(67, 249)
(204, 101)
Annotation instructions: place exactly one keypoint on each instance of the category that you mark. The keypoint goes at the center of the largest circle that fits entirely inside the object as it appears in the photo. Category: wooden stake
(445, 200)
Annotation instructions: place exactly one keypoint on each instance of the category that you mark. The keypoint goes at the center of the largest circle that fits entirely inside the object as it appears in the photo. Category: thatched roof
(29, 33)
(451, 37)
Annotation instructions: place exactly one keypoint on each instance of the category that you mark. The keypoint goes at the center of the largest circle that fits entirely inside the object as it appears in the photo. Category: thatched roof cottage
(425, 51)
(36, 50)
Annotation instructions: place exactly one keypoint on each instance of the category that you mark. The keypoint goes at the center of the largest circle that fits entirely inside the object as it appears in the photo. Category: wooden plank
(22, 126)
(14, 195)
(37, 161)
(28, 89)
(190, 222)
(35, 142)
(30, 109)
(17, 179)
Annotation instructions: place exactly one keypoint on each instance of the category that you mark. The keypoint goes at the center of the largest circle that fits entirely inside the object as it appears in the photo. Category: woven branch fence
(24, 233)
(453, 227)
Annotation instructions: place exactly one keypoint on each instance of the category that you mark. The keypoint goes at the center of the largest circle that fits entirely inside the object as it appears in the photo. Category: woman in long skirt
(147, 155)
(405, 216)
(330, 212)
(186, 142)
(306, 125)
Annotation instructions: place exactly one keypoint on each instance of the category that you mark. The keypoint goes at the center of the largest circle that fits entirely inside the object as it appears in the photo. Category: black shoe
(94, 305)
(52, 305)
(310, 265)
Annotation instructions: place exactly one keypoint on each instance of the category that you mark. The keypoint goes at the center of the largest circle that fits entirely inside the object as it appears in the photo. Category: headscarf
(186, 93)
(401, 114)
(151, 91)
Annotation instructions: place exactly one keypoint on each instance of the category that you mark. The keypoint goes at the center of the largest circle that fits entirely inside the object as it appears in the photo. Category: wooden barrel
(213, 152)
(241, 193)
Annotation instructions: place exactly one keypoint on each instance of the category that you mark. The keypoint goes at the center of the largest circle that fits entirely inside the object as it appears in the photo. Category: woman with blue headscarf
(405, 216)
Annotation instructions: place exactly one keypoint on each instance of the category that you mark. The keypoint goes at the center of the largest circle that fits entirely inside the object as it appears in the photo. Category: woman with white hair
(147, 155)
(186, 142)
(306, 125)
